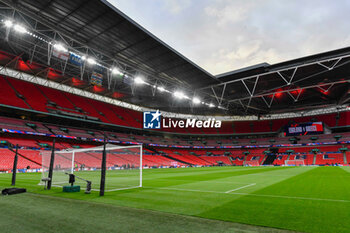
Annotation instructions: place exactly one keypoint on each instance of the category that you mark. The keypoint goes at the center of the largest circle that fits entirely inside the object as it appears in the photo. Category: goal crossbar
(99, 148)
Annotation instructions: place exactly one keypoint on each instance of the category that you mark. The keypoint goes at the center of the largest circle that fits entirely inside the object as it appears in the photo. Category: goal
(123, 165)
(295, 162)
(252, 163)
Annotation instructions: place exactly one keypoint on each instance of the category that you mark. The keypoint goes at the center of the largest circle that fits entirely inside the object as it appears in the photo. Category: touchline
(191, 123)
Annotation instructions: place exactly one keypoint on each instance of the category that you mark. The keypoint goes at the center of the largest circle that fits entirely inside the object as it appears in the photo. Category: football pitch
(216, 199)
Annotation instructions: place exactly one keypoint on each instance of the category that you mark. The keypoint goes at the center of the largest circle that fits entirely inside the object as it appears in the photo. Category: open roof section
(311, 82)
(266, 67)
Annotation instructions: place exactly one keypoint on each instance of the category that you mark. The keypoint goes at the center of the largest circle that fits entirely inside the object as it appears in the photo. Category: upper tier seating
(9, 96)
(22, 94)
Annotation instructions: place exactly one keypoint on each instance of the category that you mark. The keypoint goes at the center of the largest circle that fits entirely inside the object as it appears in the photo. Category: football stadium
(104, 127)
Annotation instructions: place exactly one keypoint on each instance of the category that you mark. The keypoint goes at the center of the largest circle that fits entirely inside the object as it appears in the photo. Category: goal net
(252, 163)
(295, 162)
(123, 167)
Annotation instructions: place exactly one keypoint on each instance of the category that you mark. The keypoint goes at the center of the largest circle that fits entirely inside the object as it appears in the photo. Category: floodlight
(179, 95)
(139, 80)
(196, 100)
(8, 23)
(211, 105)
(83, 58)
(91, 61)
(20, 28)
(60, 47)
(116, 71)
(161, 89)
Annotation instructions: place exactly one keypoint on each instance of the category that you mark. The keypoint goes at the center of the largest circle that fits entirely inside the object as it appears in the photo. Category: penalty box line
(256, 195)
(245, 186)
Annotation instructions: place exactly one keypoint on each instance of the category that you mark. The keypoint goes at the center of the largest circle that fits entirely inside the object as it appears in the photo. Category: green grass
(308, 199)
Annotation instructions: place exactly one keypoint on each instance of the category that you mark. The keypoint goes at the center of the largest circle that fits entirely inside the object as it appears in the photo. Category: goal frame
(252, 163)
(297, 162)
(101, 149)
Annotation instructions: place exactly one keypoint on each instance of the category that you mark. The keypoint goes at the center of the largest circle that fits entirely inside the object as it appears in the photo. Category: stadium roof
(99, 30)
(316, 81)
(101, 26)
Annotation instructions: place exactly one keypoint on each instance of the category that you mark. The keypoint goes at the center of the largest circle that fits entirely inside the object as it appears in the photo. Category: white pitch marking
(256, 195)
(190, 190)
(246, 186)
(290, 197)
(221, 182)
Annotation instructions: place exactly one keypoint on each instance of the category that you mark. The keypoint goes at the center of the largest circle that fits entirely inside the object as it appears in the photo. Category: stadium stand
(26, 95)
(161, 156)
(20, 94)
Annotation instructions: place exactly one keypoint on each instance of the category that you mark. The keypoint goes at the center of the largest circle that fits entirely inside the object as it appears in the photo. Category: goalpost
(252, 163)
(123, 166)
(295, 162)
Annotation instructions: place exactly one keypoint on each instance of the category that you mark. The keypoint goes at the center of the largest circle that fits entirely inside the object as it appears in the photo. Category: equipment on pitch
(14, 169)
(72, 180)
(11, 191)
(46, 180)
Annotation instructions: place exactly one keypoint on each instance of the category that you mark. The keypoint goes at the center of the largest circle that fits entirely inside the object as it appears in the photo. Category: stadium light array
(91, 61)
(8, 23)
(20, 28)
(116, 71)
(139, 80)
(179, 95)
(60, 47)
(161, 89)
(196, 100)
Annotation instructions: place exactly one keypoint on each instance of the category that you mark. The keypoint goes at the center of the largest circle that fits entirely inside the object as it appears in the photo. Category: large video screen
(304, 129)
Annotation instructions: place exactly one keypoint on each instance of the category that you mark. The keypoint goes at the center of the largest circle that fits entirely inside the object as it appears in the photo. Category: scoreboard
(304, 129)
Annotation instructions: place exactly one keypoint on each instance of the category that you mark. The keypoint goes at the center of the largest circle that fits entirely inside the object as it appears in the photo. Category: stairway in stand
(269, 159)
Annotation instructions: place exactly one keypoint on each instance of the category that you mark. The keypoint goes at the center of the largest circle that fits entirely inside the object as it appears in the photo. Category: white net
(295, 162)
(123, 163)
(252, 163)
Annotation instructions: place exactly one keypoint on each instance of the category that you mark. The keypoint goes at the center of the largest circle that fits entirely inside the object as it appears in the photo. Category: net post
(103, 169)
(141, 166)
(72, 168)
(52, 160)
(14, 169)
